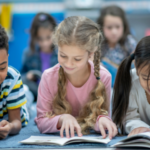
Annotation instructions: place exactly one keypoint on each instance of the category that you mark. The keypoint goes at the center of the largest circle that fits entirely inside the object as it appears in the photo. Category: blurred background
(16, 17)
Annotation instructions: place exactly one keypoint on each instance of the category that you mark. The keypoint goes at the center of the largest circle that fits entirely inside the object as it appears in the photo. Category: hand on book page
(139, 130)
(138, 140)
(68, 123)
(105, 123)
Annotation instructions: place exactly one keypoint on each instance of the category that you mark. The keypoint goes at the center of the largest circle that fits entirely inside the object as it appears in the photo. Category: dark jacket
(32, 60)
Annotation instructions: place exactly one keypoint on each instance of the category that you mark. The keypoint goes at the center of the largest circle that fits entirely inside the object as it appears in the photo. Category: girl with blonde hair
(74, 95)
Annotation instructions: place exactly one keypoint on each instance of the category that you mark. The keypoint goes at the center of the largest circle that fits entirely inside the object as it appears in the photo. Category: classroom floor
(12, 142)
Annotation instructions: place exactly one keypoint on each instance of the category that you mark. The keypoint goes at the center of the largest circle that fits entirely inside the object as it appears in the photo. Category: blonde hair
(86, 34)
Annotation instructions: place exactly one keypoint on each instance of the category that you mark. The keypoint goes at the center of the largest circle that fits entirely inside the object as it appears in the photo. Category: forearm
(15, 127)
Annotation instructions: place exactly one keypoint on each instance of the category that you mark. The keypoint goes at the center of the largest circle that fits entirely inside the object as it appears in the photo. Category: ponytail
(121, 92)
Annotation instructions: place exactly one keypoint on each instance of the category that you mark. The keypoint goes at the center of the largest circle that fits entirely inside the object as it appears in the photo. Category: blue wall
(20, 26)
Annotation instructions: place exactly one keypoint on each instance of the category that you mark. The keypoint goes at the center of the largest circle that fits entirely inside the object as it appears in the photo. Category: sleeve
(132, 120)
(131, 44)
(44, 106)
(107, 84)
(16, 97)
(24, 68)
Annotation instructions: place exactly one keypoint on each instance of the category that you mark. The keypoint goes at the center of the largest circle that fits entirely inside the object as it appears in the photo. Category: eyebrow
(144, 75)
(3, 63)
(74, 56)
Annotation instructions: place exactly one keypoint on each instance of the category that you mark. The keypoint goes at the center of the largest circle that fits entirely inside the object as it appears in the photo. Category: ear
(91, 56)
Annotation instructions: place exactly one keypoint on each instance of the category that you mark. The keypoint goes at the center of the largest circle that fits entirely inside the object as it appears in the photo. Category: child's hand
(69, 123)
(105, 123)
(139, 130)
(30, 75)
(5, 128)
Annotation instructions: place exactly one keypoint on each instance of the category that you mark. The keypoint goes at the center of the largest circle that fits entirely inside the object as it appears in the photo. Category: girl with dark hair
(131, 97)
(118, 42)
(42, 54)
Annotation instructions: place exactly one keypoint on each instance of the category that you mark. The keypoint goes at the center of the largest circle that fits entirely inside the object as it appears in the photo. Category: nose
(69, 63)
(114, 30)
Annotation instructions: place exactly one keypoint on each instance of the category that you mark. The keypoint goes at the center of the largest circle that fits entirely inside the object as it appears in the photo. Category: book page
(57, 140)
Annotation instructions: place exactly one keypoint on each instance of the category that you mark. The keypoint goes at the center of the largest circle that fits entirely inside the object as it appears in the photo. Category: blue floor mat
(32, 130)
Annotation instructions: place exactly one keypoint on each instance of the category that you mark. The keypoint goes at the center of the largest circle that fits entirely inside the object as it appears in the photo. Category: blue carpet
(32, 130)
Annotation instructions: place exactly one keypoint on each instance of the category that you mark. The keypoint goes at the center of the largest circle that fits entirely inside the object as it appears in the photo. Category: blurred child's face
(113, 28)
(3, 64)
(44, 39)
(143, 77)
(72, 58)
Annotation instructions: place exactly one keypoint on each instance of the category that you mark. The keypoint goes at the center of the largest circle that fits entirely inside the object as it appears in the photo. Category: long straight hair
(123, 84)
(118, 12)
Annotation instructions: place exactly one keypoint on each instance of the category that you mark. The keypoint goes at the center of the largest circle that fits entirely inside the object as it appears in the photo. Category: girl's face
(44, 39)
(143, 77)
(72, 58)
(113, 28)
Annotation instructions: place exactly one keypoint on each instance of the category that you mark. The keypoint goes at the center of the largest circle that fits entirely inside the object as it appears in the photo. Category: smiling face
(113, 28)
(3, 64)
(72, 58)
(144, 78)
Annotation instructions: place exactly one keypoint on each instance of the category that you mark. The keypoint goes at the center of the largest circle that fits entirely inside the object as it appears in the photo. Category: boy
(13, 112)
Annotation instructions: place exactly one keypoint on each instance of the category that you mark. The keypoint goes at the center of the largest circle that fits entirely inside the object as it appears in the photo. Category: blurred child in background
(118, 42)
(42, 53)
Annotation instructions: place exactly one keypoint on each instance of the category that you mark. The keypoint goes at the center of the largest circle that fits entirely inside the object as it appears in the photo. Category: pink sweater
(77, 97)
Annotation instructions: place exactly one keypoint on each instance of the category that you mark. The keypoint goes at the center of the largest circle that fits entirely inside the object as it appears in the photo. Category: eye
(63, 56)
(2, 69)
(77, 59)
(109, 27)
(146, 79)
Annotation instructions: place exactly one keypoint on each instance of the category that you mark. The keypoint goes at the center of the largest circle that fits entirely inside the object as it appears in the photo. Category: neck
(79, 79)
(112, 45)
(48, 51)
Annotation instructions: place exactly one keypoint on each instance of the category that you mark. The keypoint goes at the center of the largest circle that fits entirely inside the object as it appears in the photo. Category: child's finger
(78, 130)
(67, 131)
(72, 130)
(62, 131)
(3, 123)
(102, 130)
(115, 131)
(110, 131)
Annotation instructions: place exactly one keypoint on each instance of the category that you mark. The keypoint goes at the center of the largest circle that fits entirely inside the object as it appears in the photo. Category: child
(75, 94)
(42, 54)
(118, 43)
(13, 113)
(131, 100)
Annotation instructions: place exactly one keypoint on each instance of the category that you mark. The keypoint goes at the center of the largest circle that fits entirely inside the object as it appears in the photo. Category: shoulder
(131, 39)
(11, 79)
(136, 86)
(12, 73)
(28, 52)
(51, 73)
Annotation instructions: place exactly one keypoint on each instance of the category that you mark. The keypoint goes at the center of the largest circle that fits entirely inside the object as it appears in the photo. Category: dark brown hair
(123, 83)
(3, 39)
(115, 11)
(40, 20)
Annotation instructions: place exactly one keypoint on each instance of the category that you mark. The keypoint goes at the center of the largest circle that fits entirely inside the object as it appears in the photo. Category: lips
(69, 68)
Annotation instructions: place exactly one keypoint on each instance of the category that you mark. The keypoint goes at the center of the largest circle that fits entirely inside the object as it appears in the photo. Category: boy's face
(3, 64)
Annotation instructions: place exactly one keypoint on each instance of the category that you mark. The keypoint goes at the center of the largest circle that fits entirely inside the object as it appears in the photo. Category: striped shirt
(12, 96)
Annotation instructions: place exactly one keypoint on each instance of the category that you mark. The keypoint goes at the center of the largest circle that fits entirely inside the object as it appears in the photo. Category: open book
(57, 140)
(139, 140)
